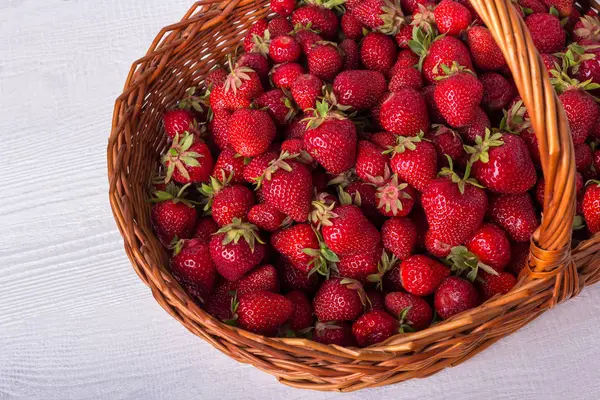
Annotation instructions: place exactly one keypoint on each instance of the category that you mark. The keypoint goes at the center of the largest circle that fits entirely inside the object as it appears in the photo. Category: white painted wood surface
(76, 322)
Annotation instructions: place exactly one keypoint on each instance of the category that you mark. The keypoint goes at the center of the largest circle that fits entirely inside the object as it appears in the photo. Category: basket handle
(551, 243)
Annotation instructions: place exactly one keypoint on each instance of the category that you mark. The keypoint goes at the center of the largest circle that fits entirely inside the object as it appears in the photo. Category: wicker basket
(183, 53)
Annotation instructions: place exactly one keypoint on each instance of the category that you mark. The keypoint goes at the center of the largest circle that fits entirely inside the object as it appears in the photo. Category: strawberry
(406, 77)
(378, 52)
(284, 49)
(376, 300)
(447, 142)
(293, 279)
(582, 112)
(414, 160)
(412, 6)
(325, 60)
(591, 206)
(234, 257)
(399, 236)
(256, 62)
(339, 299)
(520, 257)
(259, 279)
(331, 140)
(231, 202)
(287, 186)
(404, 112)
(502, 163)
(421, 275)
(359, 265)
(295, 243)
(192, 266)
(583, 157)
(296, 128)
(350, 54)
(367, 193)
(279, 106)
(515, 214)
(229, 163)
(374, 327)
(547, 33)
(205, 228)
(339, 333)
(452, 17)
(381, 15)
(443, 50)
(536, 6)
(359, 89)
(257, 166)
(266, 217)
(284, 75)
(497, 91)
(320, 18)
(352, 27)
(394, 198)
(370, 161)
(457, 95)
(219, 302)
(177, 122)
(279, 27)
(296, 147)
(405, 59)
(414, 313)
(392, 279)
(188, 160)
(219, 128)
(263, 312)
(454, 296)
(384, 139)
(251, 132)
(404, 36)
(477, 127)
(350, 232)
(490, 285)
(587, 65)
(596, 159)
(283, 7)
(172, 216)
(306, 37)
(587, 28)
(434, 112)
(486, 53)
(563, 7)
(306, 90)
(491, 246)
(302, 314)
(215, 77)
(238, 90)
(257, 37)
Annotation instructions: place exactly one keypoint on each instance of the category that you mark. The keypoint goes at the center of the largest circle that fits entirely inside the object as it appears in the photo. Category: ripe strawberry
(219, 128)
(491, 246)
(229, 164)
(241, 86)
(376, 300)
(432, 108)
(536, 6)
(515, 214)
(457, 95)
(283, 7)
(370, 161)
(404, 112)
(490, 285)
(296, 128)
(582, 112)
(447, 143)
(339, 333)
(234, 257)
(384, 139)
(255, 61)
(192, 266)
(412, 6)
(399, 236)
(378, 52)
(295, 243)
(205, 228)
(188, 160)
(251, 132)
(444, 50)
(293, 279)
(257, 37)
(284, 49)
(591, 206)
(414, 312)
(564, 7)
(587, 65)
(279, 106)
(215, 77)
(406, 77)
(177, 122)
(279, 27)
(352, 27)
(359, 266)
(587, 28)
(502, 163)
(394, 198)
(381, 15)
(520, 257)
(266, 217)
(172, 216)
(296, 147)
(454, 296)
(325, 60)
(219, 302)
(583, 157)
(228, 202)
(302, 314)
(404, 36)
(477, 127)
(320, 18)
(350, 54)
(497, 91)
(374, 327)
(287, 186)
(405, 59)
(339, 299)
(306, 90)
(415, 161)
(257, 166)
(284, 75)
(367, 193)
(452, 17)
(421, 275)
(263, 312)
(259, 279)
(485, 51)
(359, 89)
(350, 232)
(547, 33)
(306, 37)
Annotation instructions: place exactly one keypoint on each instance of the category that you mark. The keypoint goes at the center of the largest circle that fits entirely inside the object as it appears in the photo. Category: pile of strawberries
(366, 168)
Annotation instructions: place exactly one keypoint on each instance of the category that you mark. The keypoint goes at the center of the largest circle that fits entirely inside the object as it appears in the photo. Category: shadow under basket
(180, 57)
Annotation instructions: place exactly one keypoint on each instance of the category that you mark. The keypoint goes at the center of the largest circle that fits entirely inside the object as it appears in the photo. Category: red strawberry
(352, 27)
(405, 59)
(370, 161)
(219, 128)
(251, 132)
(381, 15)
(306, 37)
(294, 279)
(295, 243)
(414, 312)
(591, 206)
(447, 142)
(266, 217)
(259, 279)
(452, 17)
(536, 6)
(279, 27)
(302, 314)
(306, 90)
(325, 60)
(256, 39)
(491, 246)
(296, 128)
(457, 95)
(231, 202)
(515, 214)
(490, 285)
(583, 157)
(587, 28)
(412, 6)
(234, 257)
(287, 186)
(404, 36)
(172, 216)
(497, 91)
(339, 333)
(454, 296)
(263, 312)
(350, 54)
(319, 18)
(283, 7)
(205, 228)
(520, 257)
(192, 266)
(374, 327)
(376, 300)
(219, 303)
(215, 77)
(359, 89)
(384, 139)
(422, 275)
(378, 52)
(241, 86)
(284, 49)
(255, 61)
(547, 33)
(284, 75)
(406, 77)
(257, 166)
(477, 127)
(188, 160)
(434, 112)
(279, 106)
(339, 299)
(177, 122)
(485, 51)
(367, 193)
(404, 112)
(359, 266)
(399, 236)
(582, 112)
(229, 164)
(415, 161)
(444, 50)
(564, 7)
(350, 232)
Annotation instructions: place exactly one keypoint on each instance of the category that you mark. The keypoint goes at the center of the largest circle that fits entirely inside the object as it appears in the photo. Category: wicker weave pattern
(180, 57)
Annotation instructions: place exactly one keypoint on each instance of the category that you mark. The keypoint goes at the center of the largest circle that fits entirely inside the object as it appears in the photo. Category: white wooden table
(77, 323)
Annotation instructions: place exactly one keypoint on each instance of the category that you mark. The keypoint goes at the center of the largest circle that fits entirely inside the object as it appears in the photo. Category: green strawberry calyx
(280, 163)
(321, 212)
(449, 71)
(237, 75)
(324, 259)
(420, 43)
(235, 303)
(404, 322)
(480, 152)
(172, 193)
(424, 18)
(261, 43)
(192, 100)
(210, 190)
(456, 178)
(237, 230)
(561, 80)
(463, 261)
(392, 17)
(337, 5)
(304, 27)
(390, 192)
(405, 143)
(384, 265)
(321, 113)
(179, 156)
(514, 120)
(590, 29)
